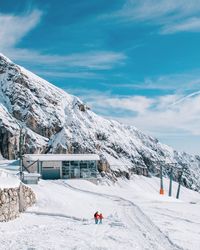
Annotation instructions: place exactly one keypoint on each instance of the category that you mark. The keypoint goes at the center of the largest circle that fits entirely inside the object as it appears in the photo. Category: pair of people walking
(98, 218)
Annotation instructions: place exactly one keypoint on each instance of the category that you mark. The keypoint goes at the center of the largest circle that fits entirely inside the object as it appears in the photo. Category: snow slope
(57, 122)
(136, 217)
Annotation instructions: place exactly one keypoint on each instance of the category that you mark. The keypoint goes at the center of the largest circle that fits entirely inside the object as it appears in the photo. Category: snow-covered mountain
(61, 123)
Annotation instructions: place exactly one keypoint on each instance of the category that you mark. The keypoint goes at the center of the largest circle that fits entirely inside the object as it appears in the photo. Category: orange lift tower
(161, 181)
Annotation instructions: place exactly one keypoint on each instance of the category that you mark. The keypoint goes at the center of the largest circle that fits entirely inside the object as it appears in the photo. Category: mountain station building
(62, 166)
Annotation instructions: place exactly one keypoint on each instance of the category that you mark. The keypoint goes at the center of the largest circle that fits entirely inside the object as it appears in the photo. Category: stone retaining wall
(15, 200)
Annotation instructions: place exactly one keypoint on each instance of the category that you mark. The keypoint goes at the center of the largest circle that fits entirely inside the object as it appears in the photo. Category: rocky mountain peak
(57, 122)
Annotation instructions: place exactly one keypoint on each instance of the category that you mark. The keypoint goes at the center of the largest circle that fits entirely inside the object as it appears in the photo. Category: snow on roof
(62, 157)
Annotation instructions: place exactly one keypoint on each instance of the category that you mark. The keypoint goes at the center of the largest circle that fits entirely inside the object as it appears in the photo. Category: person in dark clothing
(96, 217)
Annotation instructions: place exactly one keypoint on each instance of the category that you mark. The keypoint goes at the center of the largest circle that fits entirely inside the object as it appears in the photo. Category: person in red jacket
(96, 217)
(100, 218)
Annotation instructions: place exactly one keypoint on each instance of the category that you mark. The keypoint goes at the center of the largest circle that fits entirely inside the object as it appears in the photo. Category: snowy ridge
(57, 122)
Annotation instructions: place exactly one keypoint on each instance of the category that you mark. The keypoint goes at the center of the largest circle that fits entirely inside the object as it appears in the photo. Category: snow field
(136, 217)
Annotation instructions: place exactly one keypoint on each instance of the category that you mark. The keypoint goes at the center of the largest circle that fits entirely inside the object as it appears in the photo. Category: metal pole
(20, 152)
(170, 182)
(179, 185)
(38, 167)
(161, 181)
(21, 143)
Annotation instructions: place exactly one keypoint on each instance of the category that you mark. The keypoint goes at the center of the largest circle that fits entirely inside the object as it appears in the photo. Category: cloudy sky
(137, 61)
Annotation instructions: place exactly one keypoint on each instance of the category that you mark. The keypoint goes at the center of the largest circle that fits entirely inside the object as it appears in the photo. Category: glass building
(62, 166)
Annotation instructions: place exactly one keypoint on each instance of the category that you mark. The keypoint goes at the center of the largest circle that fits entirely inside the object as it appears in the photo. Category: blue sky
(134, 61)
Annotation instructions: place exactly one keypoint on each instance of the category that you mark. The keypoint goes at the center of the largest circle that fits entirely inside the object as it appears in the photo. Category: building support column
(61, 172)
(95, 162)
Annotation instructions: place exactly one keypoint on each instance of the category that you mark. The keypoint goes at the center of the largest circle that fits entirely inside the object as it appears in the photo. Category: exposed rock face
(15, 200)
(26, 197)
(57, 122)
(9, 204)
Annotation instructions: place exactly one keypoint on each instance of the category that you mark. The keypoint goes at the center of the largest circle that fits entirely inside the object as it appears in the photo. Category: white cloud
(80, 65)
(60, 74)
(185, 98)
(161, 115)
(184, 117)
(179, 83)
(137, 104)
(171, 16)
(14, 28)
(154, 9)
(105, 100)
(191, 24)
(97, 60)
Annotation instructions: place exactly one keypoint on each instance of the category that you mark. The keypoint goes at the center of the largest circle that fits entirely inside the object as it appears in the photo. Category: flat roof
(62, 157)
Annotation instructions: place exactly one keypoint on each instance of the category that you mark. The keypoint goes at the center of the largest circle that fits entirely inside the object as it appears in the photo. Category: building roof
(62, 157)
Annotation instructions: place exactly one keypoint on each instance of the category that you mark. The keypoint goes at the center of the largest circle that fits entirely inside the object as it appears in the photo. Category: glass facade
(79, 169)
(50, 173)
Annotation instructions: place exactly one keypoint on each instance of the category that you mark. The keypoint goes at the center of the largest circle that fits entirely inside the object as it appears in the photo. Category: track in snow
(145, 233)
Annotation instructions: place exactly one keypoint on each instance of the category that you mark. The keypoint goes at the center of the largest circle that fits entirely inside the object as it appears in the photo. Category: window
(65, 163)
(74, 163)
(83, 165)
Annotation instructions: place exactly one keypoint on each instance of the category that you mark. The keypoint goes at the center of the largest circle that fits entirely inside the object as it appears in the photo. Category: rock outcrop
(15, 200)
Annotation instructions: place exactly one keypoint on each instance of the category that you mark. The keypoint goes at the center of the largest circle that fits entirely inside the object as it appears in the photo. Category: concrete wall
(34, 167)
(15, 200)
(55, 164)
